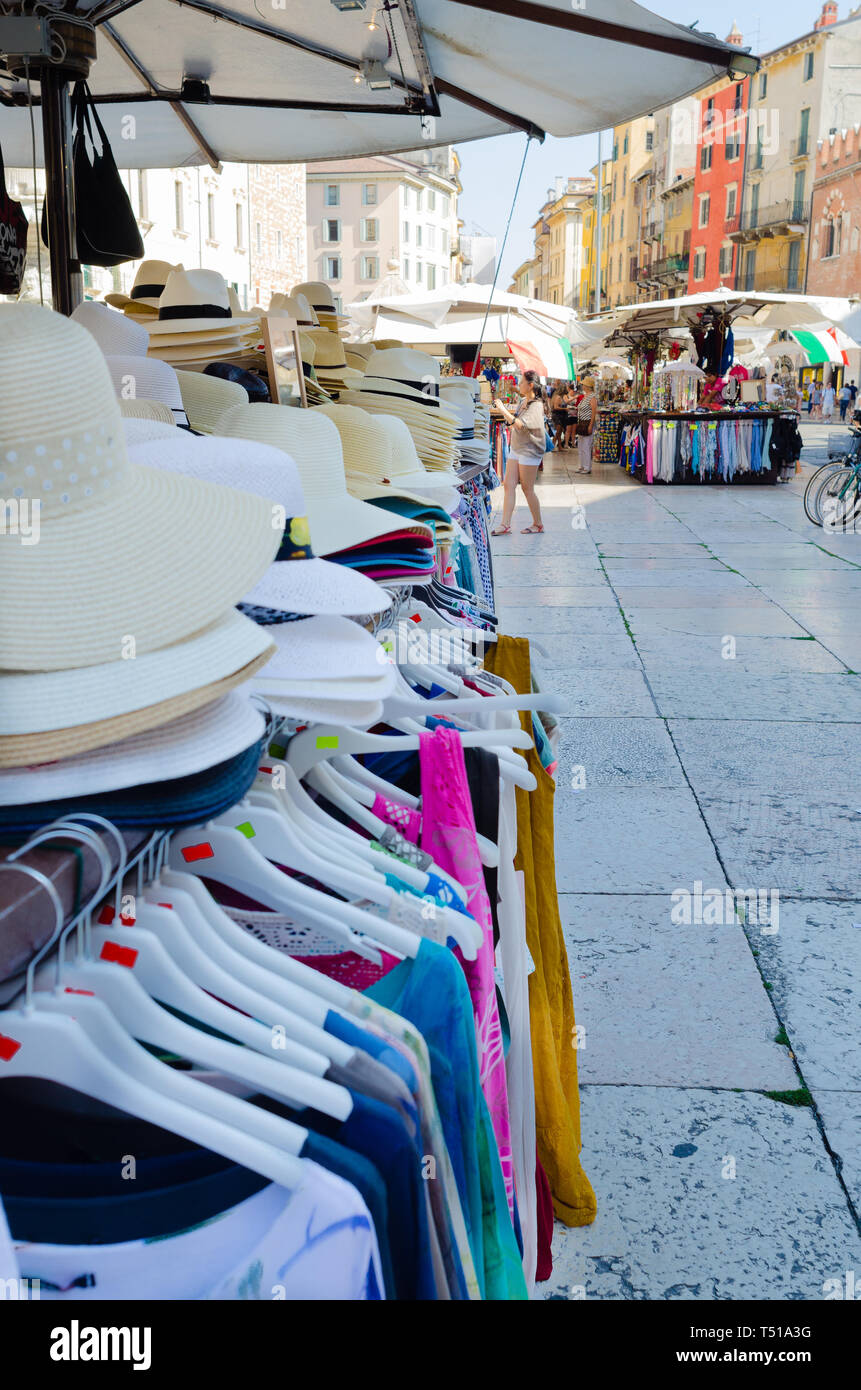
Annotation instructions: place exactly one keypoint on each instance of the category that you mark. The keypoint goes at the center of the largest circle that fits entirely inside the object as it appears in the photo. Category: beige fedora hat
(330, 366)
(407, 469)
(206, 398)
(194, 301)
(147, 286)
(128, 559)
(115, 334)
(319, 296)
(294, 306)
(337, 520)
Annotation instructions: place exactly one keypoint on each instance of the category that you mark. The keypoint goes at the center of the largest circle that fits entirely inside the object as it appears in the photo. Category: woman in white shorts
(525, 453)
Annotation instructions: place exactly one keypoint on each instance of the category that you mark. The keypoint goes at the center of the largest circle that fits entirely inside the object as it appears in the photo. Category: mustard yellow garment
(551, 1005)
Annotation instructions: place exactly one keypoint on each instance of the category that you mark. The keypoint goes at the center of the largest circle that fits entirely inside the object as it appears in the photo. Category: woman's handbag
(107, 231)
(584, 427)
(13, 239)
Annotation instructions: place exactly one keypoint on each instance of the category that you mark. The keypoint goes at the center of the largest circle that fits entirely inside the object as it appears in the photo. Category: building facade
(631, 207)
(834, 267)
(246, 221)
(805, 91)
(719, 173)
(555, 271)
(589, 301)
(366, 213)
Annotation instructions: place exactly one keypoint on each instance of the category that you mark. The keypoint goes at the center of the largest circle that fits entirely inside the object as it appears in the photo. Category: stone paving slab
(645, 996)
(622, 694)
(704, 1195)
(808, 846)
(754, 655)
(840, 1112)
(755, 620)
(590, 650)
(562, 596)
(631, 840)
(723, 692)
(524, 622)
(790, 758)
(618, 752)
(813, 964)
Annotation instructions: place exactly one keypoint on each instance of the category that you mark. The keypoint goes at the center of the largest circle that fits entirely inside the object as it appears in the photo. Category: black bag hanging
(107, 231)
(13, 239)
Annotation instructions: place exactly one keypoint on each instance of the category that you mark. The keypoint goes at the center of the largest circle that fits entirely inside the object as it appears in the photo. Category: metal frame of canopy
(67, 47)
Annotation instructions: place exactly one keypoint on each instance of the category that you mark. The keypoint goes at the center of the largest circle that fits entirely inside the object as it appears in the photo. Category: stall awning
(549, 357)
(291, 81)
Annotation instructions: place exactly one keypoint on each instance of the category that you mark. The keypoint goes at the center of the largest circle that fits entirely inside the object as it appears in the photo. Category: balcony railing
(669, 266)
(790, 212)
(777, 281)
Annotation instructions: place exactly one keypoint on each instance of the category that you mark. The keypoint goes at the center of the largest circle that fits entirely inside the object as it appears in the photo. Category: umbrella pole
(66, 286)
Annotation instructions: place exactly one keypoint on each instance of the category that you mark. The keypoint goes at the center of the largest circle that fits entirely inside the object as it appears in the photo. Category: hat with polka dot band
(123, 558)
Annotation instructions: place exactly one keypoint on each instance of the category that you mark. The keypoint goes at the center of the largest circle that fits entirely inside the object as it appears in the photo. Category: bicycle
(837, 482)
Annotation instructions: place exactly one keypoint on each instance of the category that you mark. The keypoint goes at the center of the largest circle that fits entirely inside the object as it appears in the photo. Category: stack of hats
(403, 382)
(461, 393)
(325, 668)
(330, 364)
(145, 387)
(319, 296)
(199, 321)
(344, 528)
(149, 282)
(313, 390)
(368, 463)
(120, 621)
(357, 354)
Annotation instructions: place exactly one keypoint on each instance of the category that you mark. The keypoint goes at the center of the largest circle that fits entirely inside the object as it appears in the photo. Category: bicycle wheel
(816, 487)
(840, 503)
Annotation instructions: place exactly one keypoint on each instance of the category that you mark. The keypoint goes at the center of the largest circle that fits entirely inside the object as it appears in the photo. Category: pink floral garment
(448, 835)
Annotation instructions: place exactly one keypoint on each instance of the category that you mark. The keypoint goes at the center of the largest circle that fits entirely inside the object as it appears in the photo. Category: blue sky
(489, 167)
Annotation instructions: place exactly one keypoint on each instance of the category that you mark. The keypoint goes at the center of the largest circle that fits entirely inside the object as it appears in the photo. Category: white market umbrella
(474, 68)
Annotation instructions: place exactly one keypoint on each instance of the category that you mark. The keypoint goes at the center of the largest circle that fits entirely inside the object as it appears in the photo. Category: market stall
(690, 411)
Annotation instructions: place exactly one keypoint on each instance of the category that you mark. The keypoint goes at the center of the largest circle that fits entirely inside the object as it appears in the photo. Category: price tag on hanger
(8, 1048)
(118, 955)
(327, 741)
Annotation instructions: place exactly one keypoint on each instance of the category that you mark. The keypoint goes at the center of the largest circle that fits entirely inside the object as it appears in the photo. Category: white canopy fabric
(748, 312)
(448, 303)
(287, 80)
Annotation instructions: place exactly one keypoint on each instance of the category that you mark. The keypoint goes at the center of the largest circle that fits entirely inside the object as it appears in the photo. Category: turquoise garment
(431, 993)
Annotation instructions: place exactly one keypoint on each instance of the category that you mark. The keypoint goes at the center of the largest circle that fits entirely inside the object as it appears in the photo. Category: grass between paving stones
(799, 1098)
(781, 1037)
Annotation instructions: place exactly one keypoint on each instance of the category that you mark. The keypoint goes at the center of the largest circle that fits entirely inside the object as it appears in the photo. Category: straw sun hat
(146, 410)
(367, 446)
(184, 746)
(149, 282)
(294, 306)
(58, 714)
(206, 398)
(337, 520)
(115, 334)
(124, 552)
(196, 301)
(298, 582)
(319, 296)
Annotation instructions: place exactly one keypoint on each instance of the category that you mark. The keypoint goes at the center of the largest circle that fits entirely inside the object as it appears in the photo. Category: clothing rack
(727, 446)
(27, 911)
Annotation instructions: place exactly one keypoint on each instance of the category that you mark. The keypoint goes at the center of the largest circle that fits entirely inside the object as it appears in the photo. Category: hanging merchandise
(308, 820)
(105, 224)
(13, 239)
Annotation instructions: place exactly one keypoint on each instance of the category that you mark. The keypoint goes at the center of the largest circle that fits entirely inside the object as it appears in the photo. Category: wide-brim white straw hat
(115, 334)
(360, 714)
(147, 410)
(147, 287)
(128, 558)
(147, 379)
(302, 583)
(140, 431)
(206, 398)
(337, 520)
(367, 453)
(196, 741)
(407, 469)
(57, 714)
(325, 658)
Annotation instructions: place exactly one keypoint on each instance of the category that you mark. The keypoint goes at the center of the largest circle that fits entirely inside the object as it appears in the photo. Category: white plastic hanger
(227, 857)
(90, 1052)
(275, 837)
(312, 746)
